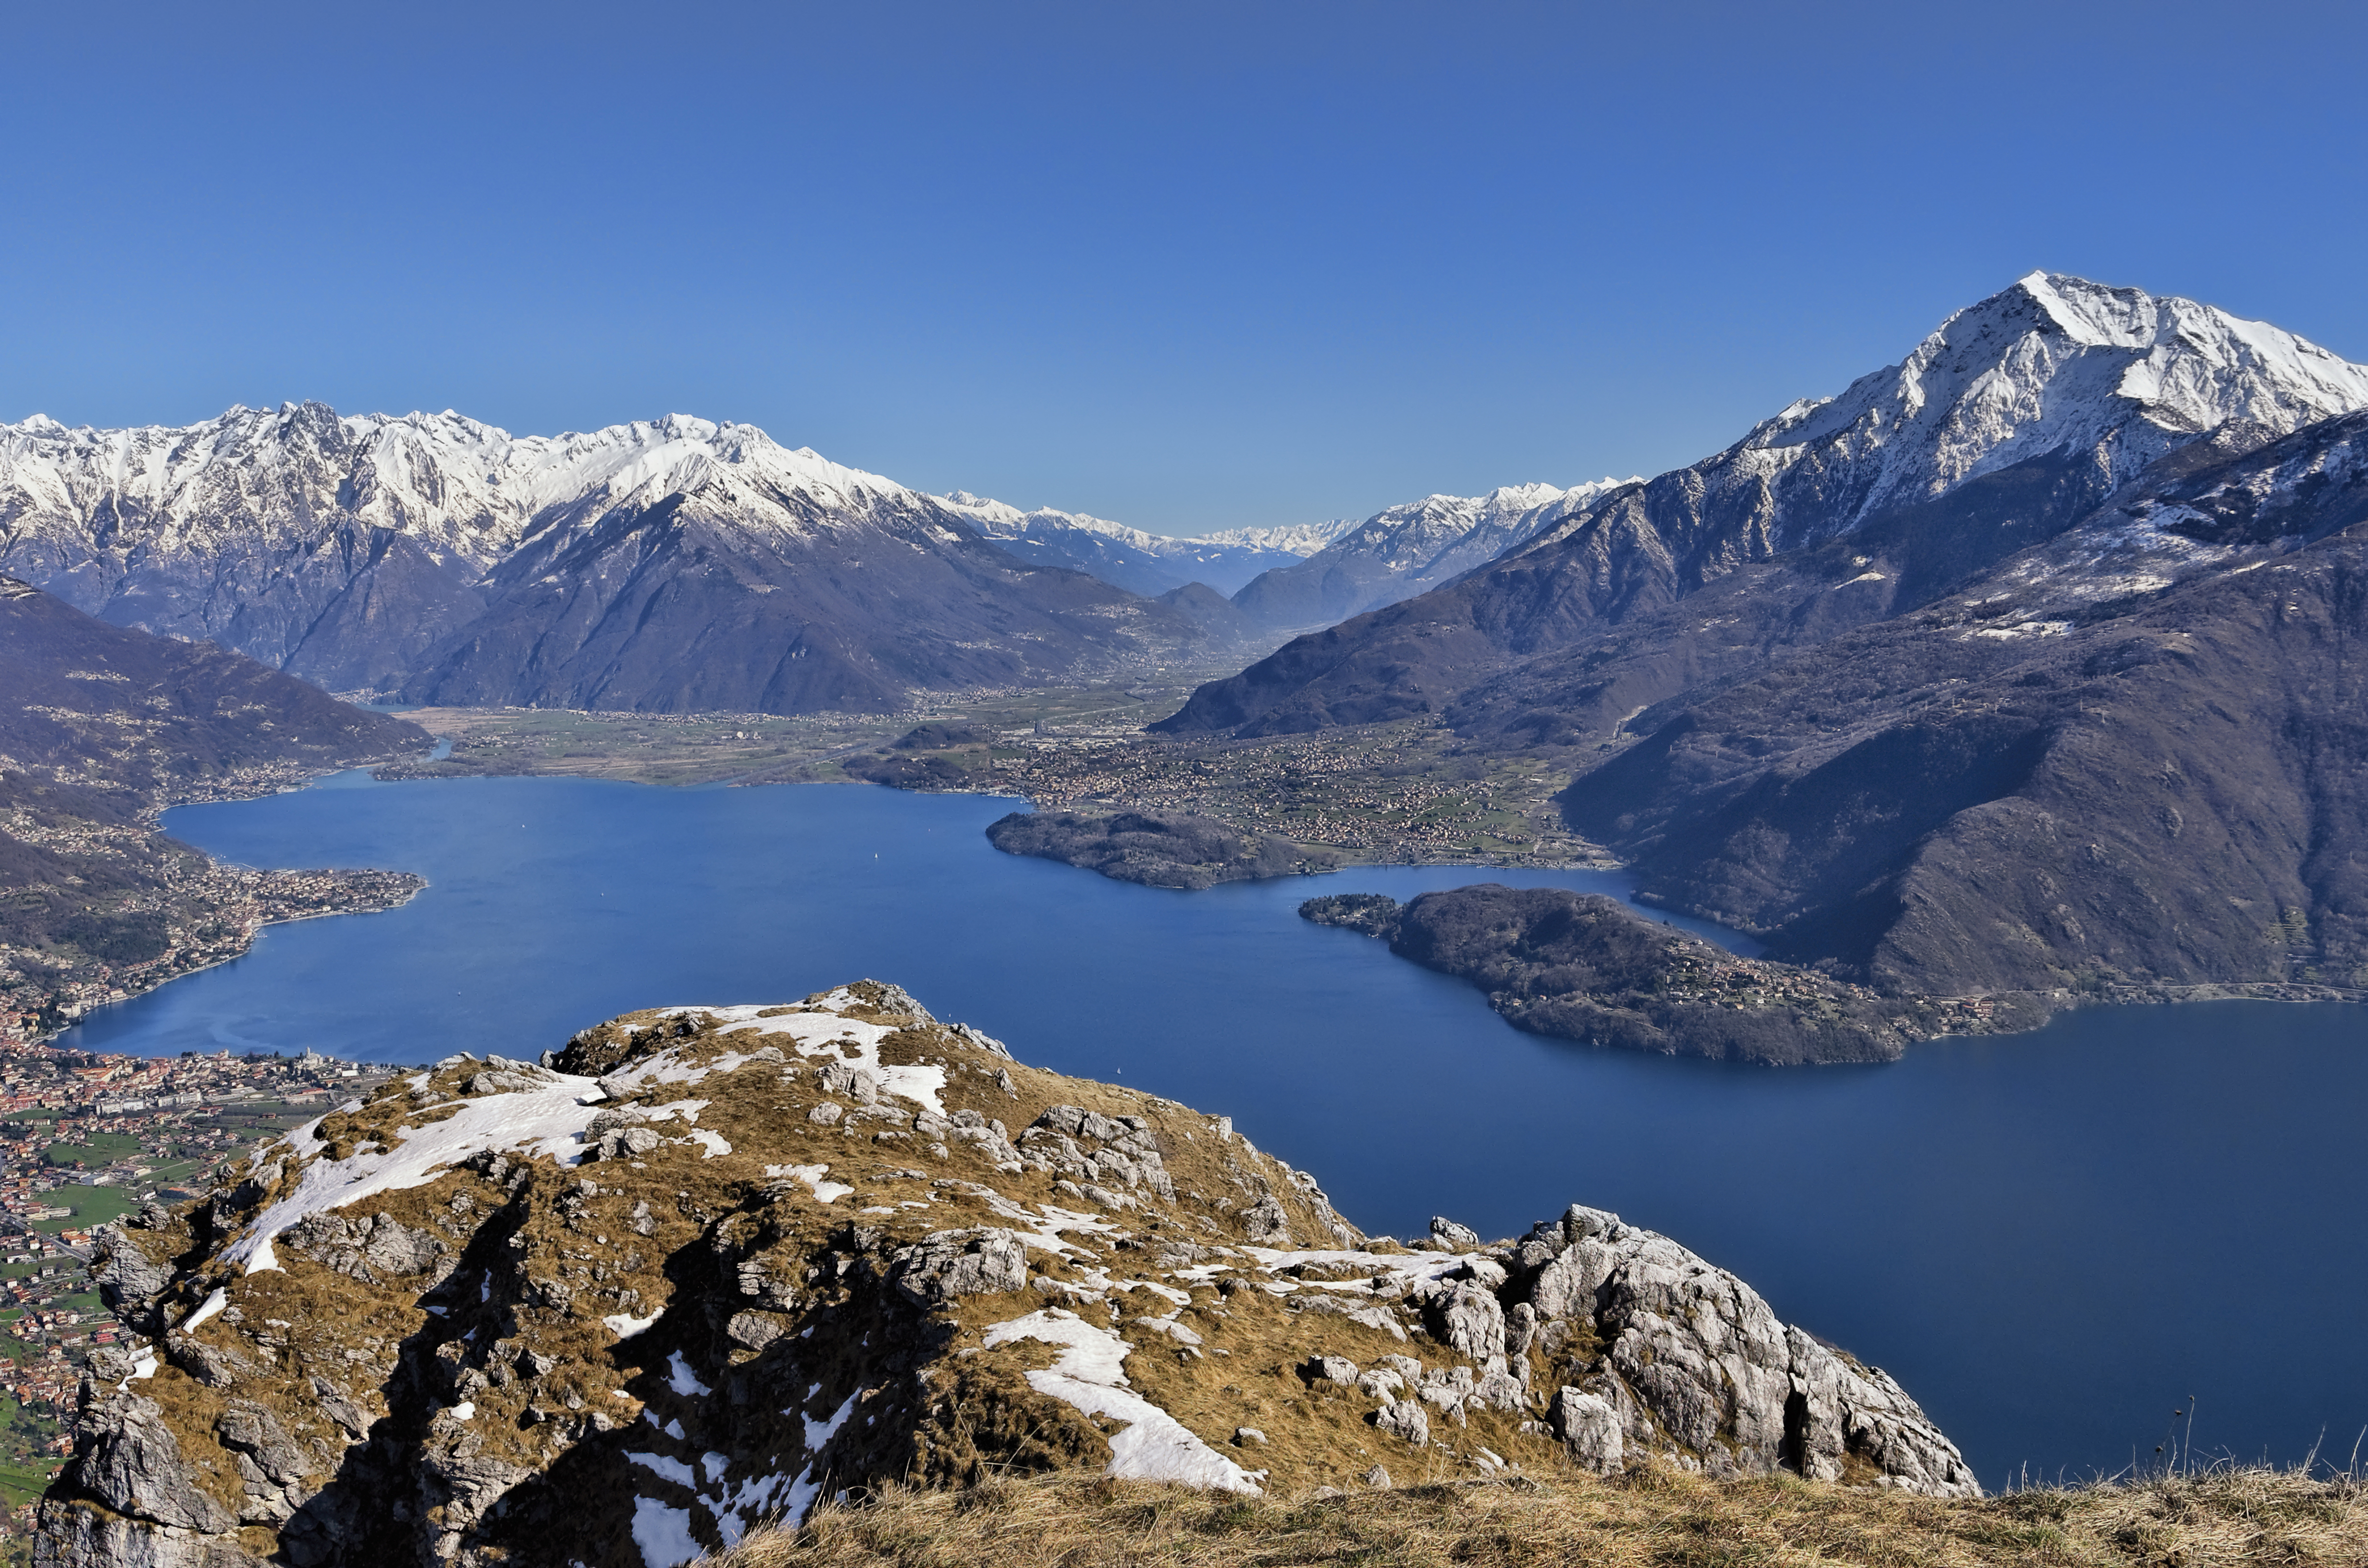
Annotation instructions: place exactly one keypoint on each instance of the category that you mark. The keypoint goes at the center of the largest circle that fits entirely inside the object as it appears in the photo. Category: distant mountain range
(674, 565)
(670, 565)
(2020, 665)
(1140, 563)
(1405, 549)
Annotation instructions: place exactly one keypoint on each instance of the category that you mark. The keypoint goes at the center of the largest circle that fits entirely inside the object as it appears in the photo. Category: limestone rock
(126, 1457)
(1405, 1418)
(946, 1264)
(1453, 1236)
(1589, 1430)
(363, 1248)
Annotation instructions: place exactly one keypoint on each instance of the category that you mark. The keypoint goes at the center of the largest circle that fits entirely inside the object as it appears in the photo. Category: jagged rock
(946, 1264)
(126, 1457)
(1589, 1430)
(209, 1364)
(338, 1407)
(1377, 1478)
(1335, 1369)
(1697, 1358)
(1499, 1391)
(1266, 1223)
(1381, 1383)
(1453, 1236)
(1447, 1387)
(625, 1143)
(825, 1114)
(838, 1079)
(754, 1331)
(1404, 1419)
(1467, 1319)
(364, 1249)
(75, 1535)
(271, 1466)
(125, 1272)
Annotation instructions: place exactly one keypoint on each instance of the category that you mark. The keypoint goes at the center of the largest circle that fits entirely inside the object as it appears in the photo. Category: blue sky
(1188, 267)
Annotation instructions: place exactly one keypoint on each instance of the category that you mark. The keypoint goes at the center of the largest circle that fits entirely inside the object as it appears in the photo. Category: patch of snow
(713, 1142)
(214, 1303)
(2025, 628)
(824, 1034)
(672, 1469)
(464, 1411)
(1090, 1374)
(542, 1120)
(715, 1465)
(625, 1327)
(823, 1191)
(821, 1432)
(680, 1378)
(662, 1534)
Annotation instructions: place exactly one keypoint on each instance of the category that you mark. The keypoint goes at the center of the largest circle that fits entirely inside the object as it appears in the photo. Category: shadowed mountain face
(2028, 785)
(664, 566)
(132, 718)
(2017, 418)
(103, 726)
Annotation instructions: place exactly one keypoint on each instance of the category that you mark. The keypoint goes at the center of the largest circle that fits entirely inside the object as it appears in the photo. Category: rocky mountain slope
(2028, 784)
(1404, 551)
(665, 565)
(1146, 563)
(709, 1265)
(2020, 416)
(105, 726)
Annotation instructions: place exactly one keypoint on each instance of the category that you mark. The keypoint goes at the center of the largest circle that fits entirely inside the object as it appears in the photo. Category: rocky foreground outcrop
(706, 1265)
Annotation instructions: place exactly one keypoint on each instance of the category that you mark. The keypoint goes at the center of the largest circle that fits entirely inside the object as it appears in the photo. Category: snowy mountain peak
(2055, 365)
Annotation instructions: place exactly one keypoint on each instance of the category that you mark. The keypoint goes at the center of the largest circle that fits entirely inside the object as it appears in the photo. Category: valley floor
(1658, 1518)
(1393, 794)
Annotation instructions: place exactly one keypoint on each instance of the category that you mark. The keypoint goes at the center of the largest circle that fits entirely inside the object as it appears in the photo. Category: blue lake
(2051, 1239)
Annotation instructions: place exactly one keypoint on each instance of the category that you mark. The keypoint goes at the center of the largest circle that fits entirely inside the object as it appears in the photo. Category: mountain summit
(2016, 418)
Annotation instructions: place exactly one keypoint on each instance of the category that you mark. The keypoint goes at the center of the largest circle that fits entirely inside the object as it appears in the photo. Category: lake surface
(2051, 1239)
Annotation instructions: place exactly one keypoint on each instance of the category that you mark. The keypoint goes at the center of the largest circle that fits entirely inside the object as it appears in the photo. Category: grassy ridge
(1651, 1519)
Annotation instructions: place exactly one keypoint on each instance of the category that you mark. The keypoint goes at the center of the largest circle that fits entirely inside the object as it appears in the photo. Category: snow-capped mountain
(461, 562)
(1140, 563)
(1405, 549)
(2019, 420)
(2090, 381)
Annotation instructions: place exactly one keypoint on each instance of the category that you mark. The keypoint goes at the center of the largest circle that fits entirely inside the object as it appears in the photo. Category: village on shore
(84, 1139)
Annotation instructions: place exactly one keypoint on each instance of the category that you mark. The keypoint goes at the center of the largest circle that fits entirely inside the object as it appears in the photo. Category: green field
(97, 1149)
(91, 1205)
(25, 1471)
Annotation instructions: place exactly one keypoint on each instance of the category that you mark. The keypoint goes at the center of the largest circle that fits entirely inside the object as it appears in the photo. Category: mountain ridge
(419, 554)
(2048, 409)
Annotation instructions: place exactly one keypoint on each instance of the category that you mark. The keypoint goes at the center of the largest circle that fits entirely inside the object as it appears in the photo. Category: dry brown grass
(1651, 1519)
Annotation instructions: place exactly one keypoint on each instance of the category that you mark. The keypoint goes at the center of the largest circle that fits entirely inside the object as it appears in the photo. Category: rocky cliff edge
(706, 1264)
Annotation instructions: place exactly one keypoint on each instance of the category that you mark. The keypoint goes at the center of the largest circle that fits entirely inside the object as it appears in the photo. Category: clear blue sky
(1187, 266)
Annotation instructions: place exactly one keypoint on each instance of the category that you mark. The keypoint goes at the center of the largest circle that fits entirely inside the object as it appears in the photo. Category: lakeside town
(85, 1139)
